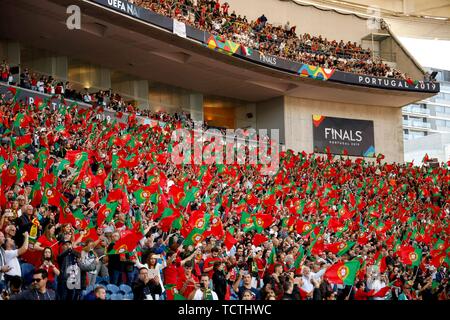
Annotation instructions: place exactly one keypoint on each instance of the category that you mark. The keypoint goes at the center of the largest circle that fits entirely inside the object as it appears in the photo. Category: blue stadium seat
(112, 288)
(27, 272)
(117, 296)
(102, 280)
(129, 296)
(125, 288)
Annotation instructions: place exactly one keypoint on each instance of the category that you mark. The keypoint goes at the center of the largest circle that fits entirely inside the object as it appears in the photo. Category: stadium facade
(159, 64)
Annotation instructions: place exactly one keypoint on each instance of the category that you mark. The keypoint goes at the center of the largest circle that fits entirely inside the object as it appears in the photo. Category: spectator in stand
(89, 264)
(11, 257)
(100, 293)
(220, 280)
(246, 284)
(69, 281)
(39, 290)
(203, 292)
(48, 264)
(147, 287)
(187, 281)
(4, 268)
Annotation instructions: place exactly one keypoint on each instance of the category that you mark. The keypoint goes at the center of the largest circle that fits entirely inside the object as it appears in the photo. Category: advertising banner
(339, 134)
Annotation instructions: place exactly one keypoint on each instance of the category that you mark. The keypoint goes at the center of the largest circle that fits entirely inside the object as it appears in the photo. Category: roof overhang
(128, 44)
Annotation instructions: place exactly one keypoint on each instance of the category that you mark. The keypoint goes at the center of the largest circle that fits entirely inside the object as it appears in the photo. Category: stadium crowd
(91, 209)
(281, 41)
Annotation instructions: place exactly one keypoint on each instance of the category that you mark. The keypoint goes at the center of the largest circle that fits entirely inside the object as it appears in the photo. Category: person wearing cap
(69, 280)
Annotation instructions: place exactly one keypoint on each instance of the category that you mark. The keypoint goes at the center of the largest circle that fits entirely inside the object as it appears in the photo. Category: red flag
(115, 195)
(23, 140)
(127, 243)
(259, 239)
(380, 293)
(230, 241)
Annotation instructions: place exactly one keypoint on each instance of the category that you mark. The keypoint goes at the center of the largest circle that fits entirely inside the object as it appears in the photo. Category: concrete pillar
(60, 67)
(141, 93)
(196, 106)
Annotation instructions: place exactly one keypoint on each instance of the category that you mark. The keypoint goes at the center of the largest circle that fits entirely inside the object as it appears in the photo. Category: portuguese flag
(298, 260)
(22, 121)
(303, 227)
(343, 272)
(142, 195)
(51, 196)
(127, 243)
(22, 142)
(272, 256)
(171, 219)
(339, 248)
(247, 222)
(197, 233)
(106, 212)
(189, 197)
(410, 255)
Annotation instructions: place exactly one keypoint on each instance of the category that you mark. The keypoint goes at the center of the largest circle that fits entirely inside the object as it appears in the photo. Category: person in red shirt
(187, 282)
(360, 294)
(48, 239)
(260, 263)
(225, 8)
(48, 264)
(170, 273)
(208, 265)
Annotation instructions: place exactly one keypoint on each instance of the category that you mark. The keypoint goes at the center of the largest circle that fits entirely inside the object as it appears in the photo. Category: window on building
(440, 123)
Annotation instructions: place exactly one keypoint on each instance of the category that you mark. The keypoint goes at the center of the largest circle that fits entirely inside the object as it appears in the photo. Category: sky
(429, 53)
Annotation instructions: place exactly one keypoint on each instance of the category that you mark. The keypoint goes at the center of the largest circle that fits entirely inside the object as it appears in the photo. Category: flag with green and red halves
(300, 256)
(216, 226)
(339, 248)
(11, 175)
(229, 241)
(272, 256)
(440, 258)
(171, 219)
(29, 173)
(22, 142)
(77, 158)
(128, 241)
(189, 197)
(106, 212)
(342, 272)
(303, 227)
(410, 255)
(51, 196)
(65, 214)
(144, 194)
(197, 234)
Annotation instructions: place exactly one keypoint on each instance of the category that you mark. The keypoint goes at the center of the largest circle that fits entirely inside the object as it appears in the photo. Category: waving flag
(342, 272)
